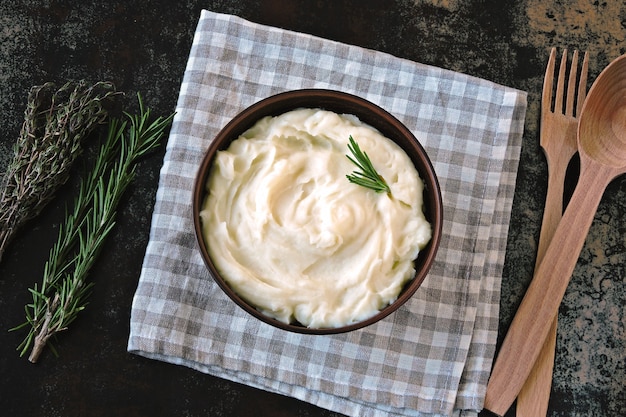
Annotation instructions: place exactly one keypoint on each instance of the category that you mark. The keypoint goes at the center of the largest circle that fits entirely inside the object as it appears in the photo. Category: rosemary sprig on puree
(64, 289)
(368, 176)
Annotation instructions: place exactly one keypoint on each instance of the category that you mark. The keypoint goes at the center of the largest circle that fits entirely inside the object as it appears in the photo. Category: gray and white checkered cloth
(432, 356)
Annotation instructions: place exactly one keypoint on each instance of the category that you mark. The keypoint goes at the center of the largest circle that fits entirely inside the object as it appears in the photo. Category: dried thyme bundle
(64, 289)
(55, 123)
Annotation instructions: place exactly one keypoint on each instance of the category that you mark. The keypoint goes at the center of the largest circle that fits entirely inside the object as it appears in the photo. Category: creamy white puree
(293, 237)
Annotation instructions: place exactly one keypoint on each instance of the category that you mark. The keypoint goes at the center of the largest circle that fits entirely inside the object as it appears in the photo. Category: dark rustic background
(142, 46)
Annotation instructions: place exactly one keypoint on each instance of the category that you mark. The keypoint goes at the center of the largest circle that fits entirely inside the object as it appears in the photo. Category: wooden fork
(558, 140)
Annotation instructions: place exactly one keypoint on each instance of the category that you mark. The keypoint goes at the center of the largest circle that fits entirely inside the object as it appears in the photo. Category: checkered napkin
(432, 356)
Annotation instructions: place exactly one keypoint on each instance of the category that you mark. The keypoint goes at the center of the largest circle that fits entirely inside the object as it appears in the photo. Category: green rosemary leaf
(368, 176)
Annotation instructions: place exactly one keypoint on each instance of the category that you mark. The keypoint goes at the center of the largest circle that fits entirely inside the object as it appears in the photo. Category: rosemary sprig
(367, 177)
(55, 123)
(64, 289)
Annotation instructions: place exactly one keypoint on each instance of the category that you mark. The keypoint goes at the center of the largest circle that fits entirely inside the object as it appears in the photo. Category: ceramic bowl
(367, 112)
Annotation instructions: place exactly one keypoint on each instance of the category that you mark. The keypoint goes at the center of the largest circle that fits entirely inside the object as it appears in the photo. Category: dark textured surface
(143, 46)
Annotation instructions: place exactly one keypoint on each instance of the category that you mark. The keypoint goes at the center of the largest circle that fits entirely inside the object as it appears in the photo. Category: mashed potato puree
(294, 238)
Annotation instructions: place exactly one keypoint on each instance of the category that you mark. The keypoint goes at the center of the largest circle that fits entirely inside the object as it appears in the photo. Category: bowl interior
(367, 112)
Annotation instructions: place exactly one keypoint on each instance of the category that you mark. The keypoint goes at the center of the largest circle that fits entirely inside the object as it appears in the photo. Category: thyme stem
(55, 123)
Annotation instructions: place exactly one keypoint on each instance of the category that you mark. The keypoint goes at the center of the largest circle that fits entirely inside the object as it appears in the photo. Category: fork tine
(582, 85)
(571, 85)
(546, 97)
(560, 84)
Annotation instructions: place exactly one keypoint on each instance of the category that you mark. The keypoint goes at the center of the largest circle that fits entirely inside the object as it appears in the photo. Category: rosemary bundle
(55, 123)
(368, 177)
(64, 289)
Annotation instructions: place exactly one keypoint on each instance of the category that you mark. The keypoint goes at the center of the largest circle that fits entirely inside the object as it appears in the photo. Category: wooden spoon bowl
(602, 127)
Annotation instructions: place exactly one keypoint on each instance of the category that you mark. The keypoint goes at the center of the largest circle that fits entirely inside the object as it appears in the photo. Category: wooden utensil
(602, 150)
(559, 142)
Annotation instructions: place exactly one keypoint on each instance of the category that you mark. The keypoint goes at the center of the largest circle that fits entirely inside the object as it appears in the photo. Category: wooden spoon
(602, 150)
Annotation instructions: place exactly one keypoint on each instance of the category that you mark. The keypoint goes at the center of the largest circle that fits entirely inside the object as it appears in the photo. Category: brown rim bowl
(367, 112)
